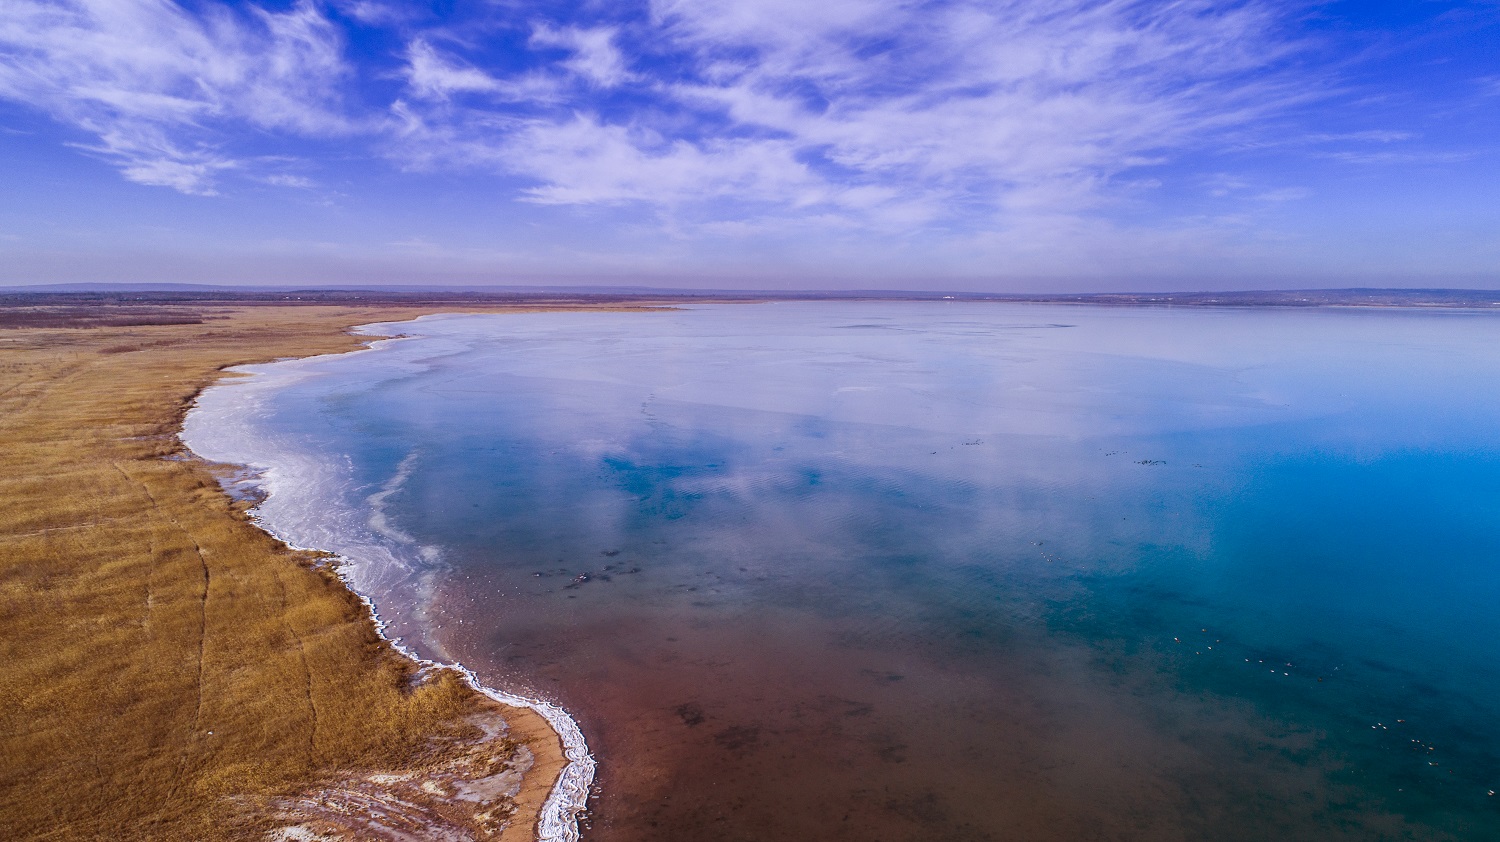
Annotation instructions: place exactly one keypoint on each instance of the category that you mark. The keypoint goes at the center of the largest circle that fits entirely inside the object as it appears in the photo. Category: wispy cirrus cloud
(157, 87)
(715, 112)
(989, 102)
(895, 114)
(1023, 136)
(594, 56)
(432, 73)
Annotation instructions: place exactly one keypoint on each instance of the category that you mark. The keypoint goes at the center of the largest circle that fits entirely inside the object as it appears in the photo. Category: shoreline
(568, 798)
(168, 669)
(569, 794)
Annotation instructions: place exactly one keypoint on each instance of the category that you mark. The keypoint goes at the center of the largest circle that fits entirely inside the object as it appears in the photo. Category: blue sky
(1001, 145)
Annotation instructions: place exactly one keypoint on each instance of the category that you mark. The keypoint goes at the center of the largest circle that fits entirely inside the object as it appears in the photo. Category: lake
(936, 570)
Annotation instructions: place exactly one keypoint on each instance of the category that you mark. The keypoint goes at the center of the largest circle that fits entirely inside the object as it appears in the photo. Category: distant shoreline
(120, 302)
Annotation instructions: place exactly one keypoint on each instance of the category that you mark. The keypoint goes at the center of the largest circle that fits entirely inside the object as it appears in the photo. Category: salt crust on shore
(218, 428)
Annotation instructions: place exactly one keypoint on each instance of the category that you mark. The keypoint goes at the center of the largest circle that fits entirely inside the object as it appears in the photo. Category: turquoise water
(918, 570)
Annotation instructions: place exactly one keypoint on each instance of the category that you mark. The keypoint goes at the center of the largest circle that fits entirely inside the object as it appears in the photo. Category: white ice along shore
(305, 505)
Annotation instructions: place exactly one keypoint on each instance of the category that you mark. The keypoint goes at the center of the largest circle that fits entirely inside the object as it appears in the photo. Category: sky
(1007, 145)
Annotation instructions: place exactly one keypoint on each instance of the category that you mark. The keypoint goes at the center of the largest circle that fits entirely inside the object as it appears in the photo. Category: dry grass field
(167, 670)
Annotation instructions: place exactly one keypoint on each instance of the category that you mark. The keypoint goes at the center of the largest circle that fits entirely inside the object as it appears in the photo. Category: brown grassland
(167, 670)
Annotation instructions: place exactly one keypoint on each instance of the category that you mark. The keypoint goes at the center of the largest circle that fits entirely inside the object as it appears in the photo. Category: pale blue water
(962, 571)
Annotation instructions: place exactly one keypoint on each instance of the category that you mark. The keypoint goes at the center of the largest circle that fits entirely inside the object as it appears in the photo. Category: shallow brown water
(773, 725)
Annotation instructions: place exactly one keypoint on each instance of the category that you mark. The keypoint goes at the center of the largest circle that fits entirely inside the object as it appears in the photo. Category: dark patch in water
(738, 738)
(691, 714)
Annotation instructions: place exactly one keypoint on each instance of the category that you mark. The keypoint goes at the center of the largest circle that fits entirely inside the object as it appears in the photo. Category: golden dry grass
(163, 663)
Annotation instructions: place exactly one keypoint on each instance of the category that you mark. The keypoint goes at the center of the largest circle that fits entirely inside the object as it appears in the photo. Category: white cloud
(1399, 158)
(886, 114)
(376, 14)
(878, 113)
(1006, 102)
(149, 81)
(595, 56)
(590, 162)
(294, 181)
(1372, 136)
(175, 172)
(433, 75)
